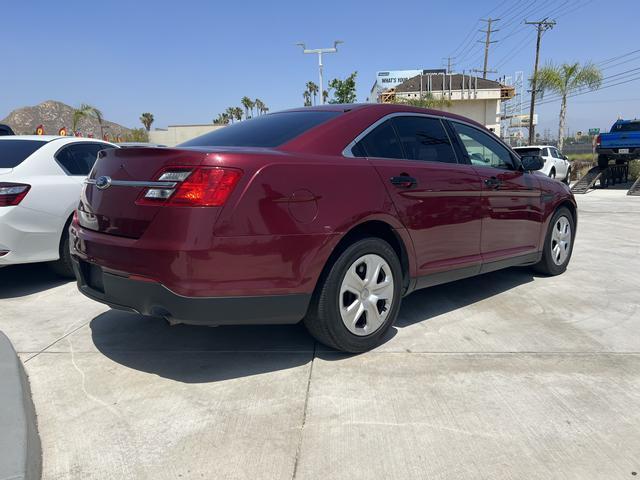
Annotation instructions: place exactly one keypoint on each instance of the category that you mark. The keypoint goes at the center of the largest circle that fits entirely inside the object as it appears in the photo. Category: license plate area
(623, 150)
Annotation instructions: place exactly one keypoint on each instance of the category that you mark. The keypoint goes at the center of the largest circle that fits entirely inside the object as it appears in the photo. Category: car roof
(536, 146)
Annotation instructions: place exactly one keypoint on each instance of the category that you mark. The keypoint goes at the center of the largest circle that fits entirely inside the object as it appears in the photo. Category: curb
(20, 451)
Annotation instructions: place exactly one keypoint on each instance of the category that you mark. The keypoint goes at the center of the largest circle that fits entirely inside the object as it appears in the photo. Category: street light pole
(319, 52)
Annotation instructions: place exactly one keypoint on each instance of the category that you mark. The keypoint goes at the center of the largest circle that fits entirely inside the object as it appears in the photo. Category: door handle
(493, 182)
(403, 181)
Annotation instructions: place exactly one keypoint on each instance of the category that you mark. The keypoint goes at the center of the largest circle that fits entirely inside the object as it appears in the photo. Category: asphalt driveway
(507, 375)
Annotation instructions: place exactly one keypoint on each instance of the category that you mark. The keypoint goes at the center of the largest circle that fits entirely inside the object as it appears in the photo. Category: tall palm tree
(325, 96)
(147, 119)
(231, 113)
(260, 106)
(85, 111)
(565, 79)
(307, 98)
(247, 103)
(237, 113)
(313, 89)
(222, 119)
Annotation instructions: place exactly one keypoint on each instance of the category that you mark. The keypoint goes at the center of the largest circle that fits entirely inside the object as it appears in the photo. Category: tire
(567, 179)
(603, 161)
(324, 320)
(553, 263)
(63, 266)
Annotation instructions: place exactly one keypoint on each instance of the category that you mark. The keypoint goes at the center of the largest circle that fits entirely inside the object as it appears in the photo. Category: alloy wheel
(366, 294)
(561, 240)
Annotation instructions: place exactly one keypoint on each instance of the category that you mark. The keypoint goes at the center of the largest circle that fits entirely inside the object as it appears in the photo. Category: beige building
(476, 98)
(176, 134)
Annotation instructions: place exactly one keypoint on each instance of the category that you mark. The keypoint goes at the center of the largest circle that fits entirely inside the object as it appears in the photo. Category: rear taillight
(12, 193)
(598, 140)
(201, 187)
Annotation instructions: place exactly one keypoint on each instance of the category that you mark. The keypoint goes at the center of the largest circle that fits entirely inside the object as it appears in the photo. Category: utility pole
(320, 51)
(541, 26)
(450, 64)
(488, 42)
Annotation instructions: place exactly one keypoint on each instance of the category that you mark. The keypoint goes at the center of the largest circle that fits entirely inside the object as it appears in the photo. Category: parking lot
(507, 375)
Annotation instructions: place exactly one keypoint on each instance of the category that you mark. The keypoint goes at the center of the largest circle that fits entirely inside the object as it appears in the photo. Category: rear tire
(603, 161)
(552, 173)
(63, 266)
(346, 321)
(558, 244)
(567, 179)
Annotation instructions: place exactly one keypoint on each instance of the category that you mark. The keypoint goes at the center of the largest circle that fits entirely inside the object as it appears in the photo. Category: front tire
(552, 173)
(358, 299)
(558, 244)
(567, 179)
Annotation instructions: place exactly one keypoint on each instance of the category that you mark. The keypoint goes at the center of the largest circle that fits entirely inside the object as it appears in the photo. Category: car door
(559, 162)
(436, 197)
(512, 210)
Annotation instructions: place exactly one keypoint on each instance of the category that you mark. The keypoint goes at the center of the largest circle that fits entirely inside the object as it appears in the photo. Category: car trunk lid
(117, 181)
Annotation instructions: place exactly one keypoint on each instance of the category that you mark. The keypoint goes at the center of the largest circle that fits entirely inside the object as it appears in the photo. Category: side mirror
(531, 163)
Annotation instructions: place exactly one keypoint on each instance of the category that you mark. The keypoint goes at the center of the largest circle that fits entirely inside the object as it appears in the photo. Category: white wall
(176, 134)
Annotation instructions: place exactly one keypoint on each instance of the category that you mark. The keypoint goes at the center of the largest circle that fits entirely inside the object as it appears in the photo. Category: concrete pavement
(508, 375)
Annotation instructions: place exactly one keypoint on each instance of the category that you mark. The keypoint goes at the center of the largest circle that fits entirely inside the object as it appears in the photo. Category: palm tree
(313, 89)
(248, 104)
(147, 119)
(307, 98)
(231, 113)
(260, 106)
(565, 79)
(237, 113)
(222, 119)
(85, 111)
(325, 96)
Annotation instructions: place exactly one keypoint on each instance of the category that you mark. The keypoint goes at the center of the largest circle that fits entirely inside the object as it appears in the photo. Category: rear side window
(263, 131)
(14, 152)
(424, 139)
(78, 158)
(381, 142)
(626, 127)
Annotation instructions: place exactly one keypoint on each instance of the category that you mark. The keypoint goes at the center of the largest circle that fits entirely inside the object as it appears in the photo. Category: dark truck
(621, 144)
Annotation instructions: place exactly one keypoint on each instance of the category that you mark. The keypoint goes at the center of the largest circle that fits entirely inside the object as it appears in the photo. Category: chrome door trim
(135, 183)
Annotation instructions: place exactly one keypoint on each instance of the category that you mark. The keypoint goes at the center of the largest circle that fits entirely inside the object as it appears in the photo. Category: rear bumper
(154, 299)
(634, 152)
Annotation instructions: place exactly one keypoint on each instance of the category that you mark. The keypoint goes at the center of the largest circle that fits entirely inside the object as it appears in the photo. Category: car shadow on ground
(20, 280)
(193, 354)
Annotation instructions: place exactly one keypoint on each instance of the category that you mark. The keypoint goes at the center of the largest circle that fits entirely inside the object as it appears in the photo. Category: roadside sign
(594, 131)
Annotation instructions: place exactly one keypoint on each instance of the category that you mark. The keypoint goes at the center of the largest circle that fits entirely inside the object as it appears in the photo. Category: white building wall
(176, 134)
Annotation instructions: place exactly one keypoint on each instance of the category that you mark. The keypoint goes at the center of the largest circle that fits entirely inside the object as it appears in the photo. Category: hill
(53, 115)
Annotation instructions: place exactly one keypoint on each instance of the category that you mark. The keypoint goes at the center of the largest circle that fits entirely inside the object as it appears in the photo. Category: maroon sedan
(329, 215)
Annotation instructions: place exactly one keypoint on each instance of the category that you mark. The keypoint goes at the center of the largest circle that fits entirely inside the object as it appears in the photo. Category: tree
(565, 79)
(137, 135)
(237, 113)
(248, 104)
(307, 98)
(147, 119)
(85, 111)
(231, 113)
(312, 88)
(260, 106)
(222, 119)
(325, 96)
(344, 91)
(427, 100)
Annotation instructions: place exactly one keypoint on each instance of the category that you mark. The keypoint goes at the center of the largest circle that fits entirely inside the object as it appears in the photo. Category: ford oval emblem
(102, 183)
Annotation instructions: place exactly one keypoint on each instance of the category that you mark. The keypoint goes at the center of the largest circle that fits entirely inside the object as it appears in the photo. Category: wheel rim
(561, 240)
(366, 294)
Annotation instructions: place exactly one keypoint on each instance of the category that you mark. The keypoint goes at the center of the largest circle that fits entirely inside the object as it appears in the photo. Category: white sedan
(40, 182)
(556, 165)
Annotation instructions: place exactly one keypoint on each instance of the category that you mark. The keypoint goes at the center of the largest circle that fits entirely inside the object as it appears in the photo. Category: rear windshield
(263, 131)
(527, 151)
(14, 152)
(626, 127)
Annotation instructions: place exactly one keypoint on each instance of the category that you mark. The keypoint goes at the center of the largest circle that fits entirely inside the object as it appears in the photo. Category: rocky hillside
(54, 115)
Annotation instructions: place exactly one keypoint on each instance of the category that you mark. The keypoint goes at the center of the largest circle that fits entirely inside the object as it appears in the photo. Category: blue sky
(185, 61)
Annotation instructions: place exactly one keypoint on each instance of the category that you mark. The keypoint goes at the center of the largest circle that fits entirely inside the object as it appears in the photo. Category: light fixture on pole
(320, 51)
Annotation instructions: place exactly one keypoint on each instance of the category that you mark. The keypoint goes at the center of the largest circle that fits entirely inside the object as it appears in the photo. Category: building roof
(413, 84)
